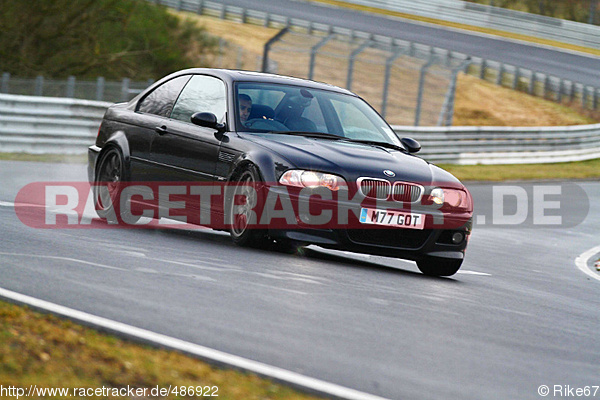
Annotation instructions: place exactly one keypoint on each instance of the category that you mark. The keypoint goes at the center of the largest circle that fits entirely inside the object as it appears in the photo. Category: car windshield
(288, 109)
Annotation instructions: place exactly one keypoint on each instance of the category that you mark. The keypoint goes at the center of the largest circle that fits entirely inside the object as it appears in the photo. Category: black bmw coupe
(289, 161)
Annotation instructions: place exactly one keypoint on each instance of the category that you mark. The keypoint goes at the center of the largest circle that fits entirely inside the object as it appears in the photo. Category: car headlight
(302, 178)
(437, 196)
(454, 198)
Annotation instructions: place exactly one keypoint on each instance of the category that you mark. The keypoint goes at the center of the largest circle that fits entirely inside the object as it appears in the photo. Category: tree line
(90, 38)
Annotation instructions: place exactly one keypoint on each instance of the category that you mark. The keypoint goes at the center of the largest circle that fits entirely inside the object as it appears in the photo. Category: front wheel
(435, 266)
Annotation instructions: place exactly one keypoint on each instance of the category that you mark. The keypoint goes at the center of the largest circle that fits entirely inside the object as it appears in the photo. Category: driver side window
(201, 94)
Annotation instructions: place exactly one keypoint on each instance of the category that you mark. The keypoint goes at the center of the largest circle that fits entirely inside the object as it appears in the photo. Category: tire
(238, 216)
(110, 175)
(434, 266)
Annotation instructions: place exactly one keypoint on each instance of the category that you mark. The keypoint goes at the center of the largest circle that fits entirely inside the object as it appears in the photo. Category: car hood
(351, 160)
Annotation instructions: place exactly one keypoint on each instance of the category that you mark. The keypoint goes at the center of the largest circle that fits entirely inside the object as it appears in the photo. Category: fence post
(386, 81)
(424, 69)
(125, 89)
(276, 38)
(351, 60)
(313, 54)
(39, 86)
(240, 58)
(100, 88)
(5, 88)
(447, 112)
(70, 87)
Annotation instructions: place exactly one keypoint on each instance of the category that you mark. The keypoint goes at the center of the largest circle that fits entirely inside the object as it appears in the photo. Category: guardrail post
(39, 86)
(313, 54)
(583, 96)
(70, 87)
(516, 77)
(100, 88)
(351, 60)
(595, 99)
(200, 7)
(276, 38)
(125, 89)
(532, 83)
(178, 7)
(482, 69)
(223, 13)
(5, 87)
(499, 75)
(267, 20)
(545, 85)
(424, 69)
(386, 81)
(560, 90)
(244, 16)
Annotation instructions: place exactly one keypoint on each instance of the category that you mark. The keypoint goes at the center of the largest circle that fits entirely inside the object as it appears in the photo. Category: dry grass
(573, 170)
(43, 350)
(481, 103)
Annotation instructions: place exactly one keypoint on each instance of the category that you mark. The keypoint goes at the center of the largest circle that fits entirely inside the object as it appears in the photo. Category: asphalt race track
(518, 315)
(567, 65)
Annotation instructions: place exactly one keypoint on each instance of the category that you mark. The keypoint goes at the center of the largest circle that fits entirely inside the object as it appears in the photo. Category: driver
(245, 103)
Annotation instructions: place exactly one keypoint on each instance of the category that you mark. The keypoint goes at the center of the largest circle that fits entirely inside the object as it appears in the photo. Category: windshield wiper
(321, 135)
(376, 143)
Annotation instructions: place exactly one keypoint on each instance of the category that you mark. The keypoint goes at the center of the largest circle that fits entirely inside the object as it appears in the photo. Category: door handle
(161, 130)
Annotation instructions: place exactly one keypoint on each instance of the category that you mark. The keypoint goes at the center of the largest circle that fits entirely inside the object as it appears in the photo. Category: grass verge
(571, 170)
(509, 35)
(47, 351)
(56, 158)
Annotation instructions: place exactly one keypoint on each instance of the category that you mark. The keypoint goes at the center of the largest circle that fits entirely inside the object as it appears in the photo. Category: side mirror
(411, 145)
(207, 120)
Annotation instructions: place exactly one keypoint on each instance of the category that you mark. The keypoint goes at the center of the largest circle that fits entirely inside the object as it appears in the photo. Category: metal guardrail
(497, 18)
(46, 125)
(505, 145)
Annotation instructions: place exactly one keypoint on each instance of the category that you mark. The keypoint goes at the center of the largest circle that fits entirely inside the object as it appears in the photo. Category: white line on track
(584, 258)
(205, 353)
(75, 260)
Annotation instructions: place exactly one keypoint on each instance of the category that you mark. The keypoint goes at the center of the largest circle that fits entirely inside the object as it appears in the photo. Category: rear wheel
(108, 180)
(241, 215)
(435, 266)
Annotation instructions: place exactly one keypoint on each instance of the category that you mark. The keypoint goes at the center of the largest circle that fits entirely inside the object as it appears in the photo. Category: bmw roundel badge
(389, 173)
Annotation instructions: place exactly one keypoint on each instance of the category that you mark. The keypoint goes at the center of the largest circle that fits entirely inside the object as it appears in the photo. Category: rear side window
(161, 100)
(202, 94)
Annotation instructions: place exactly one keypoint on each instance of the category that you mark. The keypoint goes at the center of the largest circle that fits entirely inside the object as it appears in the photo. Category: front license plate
(392, 218)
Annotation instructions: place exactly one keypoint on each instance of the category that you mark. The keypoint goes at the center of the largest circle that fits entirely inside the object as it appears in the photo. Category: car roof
(250, 76)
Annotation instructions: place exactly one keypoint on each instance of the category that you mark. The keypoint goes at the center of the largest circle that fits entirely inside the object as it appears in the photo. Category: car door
(185, 151)
(152, 112)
